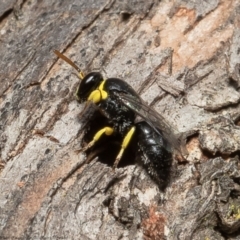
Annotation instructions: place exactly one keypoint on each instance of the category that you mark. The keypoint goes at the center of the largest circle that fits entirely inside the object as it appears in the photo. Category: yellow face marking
(76, 96)
(98, 94)
(81, 75)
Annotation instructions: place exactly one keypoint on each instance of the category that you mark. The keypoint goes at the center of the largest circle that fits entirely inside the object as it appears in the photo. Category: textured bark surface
(47, 189)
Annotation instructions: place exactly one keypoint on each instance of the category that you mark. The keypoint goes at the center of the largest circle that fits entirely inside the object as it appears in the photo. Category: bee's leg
(107, 130)
(125, 143)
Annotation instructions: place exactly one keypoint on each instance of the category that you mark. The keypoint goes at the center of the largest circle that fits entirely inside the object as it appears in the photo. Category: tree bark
(183, 59)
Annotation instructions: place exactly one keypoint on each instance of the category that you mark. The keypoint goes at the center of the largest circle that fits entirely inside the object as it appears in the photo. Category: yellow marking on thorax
(99, 94)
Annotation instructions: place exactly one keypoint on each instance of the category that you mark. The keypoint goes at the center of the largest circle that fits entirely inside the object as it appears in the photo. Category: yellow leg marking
(107, 130)
(125, 143)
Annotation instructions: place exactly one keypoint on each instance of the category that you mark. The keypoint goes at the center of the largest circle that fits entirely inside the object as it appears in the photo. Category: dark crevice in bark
(5, 15)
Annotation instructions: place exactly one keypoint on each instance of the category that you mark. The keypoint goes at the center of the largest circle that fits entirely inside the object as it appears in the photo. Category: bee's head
(88, 84)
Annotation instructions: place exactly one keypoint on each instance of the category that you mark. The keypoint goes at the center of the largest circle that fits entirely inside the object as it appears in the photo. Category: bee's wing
(154, 119)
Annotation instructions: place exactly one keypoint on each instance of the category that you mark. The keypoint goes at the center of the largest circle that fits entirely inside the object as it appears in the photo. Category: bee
(120, 104)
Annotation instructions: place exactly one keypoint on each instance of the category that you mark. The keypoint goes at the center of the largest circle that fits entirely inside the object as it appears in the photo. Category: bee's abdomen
(157, 156)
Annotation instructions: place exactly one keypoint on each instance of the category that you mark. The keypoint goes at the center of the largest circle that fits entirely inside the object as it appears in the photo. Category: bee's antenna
(66, 59)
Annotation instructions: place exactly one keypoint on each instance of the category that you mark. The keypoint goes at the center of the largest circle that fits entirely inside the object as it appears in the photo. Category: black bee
(120, 104)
